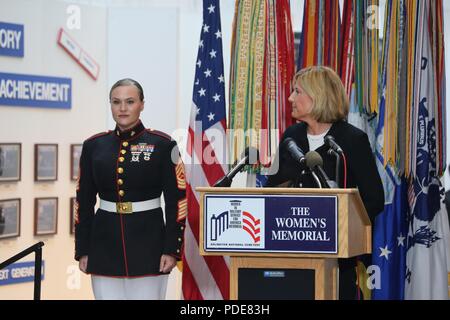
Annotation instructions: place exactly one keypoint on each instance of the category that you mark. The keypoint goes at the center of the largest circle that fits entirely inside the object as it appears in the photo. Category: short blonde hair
(325, 88)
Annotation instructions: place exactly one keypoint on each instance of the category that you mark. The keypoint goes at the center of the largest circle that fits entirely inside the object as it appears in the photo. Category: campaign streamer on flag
(390, 228)
(205, 277)
(410, 236)
(428, 232)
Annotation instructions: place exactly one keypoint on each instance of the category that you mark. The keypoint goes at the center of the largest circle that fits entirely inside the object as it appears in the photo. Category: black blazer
(362, 172)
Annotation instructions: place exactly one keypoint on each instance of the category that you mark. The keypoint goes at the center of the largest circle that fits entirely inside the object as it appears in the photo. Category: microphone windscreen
(313, 159)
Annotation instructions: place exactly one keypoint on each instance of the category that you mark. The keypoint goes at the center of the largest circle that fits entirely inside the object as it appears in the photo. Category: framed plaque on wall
(9, 218)
(10, 161)
(45, 216)
(45, 162)
(75, 153)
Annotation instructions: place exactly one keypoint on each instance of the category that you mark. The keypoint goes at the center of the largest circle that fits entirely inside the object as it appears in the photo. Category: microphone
(249, 156)
(336, 151)
(294, 150)
(315, 162)
(331, 143)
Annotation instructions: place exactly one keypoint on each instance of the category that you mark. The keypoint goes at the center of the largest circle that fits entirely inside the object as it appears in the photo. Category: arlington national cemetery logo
(241, 226)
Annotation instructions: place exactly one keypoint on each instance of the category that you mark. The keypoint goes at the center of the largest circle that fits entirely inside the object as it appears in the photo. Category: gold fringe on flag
(247, 60)
(262, 66)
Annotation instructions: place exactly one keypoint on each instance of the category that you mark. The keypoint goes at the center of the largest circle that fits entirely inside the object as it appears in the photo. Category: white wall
(42, 20)
(142, 44)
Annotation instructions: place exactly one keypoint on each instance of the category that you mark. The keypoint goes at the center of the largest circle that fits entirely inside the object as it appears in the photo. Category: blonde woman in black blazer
(320, 104)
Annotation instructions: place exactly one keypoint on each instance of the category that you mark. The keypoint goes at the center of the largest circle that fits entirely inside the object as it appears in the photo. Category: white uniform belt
(130, 207)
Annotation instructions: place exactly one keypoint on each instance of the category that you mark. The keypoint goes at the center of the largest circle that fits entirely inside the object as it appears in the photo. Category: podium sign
(270, 224)
(279, 229)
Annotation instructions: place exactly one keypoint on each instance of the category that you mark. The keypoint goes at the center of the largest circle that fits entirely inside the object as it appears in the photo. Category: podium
(281, 231)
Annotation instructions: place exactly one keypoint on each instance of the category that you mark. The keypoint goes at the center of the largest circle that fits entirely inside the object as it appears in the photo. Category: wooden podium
(284, 228)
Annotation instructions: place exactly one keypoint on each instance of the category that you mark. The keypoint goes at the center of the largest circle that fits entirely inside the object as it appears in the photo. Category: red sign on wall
(78, 54)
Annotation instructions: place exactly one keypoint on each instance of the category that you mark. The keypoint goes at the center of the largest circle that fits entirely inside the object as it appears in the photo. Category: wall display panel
(73, 214)
(45, 216)
(75, 153)
(10, 161)
(45, 162)
(9, 218)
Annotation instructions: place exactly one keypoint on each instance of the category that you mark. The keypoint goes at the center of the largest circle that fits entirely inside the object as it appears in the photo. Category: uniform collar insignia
(132, 132)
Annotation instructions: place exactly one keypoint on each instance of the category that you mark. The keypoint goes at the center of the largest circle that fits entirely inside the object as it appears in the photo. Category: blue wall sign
(19, 272)
(35, 91)
(11, 39)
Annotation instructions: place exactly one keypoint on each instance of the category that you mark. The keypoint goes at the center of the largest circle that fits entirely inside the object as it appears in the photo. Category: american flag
(205, 277)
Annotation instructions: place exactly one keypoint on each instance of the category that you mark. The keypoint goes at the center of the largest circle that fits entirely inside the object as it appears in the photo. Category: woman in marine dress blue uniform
(129, 245)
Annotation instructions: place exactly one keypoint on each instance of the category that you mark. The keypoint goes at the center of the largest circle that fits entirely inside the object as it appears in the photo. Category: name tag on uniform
(141, 148)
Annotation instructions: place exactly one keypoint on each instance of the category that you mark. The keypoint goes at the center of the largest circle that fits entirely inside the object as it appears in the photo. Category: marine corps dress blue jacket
(125, 168)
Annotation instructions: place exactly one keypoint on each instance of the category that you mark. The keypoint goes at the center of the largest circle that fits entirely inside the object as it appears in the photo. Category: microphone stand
(338, 165)
(224, 182)
(227, 179)
(299, 181)
(316, 179)
(246, 159)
